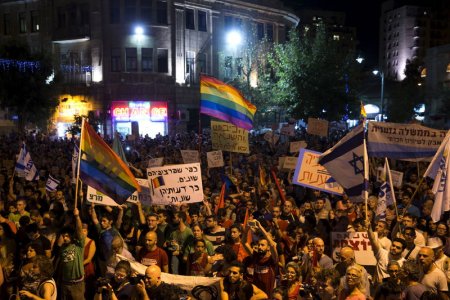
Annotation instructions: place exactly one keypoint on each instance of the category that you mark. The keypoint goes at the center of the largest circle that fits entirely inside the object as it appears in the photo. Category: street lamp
(381, 74)
(234, 38)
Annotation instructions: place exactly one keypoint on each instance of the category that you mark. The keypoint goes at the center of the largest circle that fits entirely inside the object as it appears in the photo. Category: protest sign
(190, 156)
(295, 147)
(397, 177)
(317, 127)
(227, 137)
(403, 141)
(360, 243)
(175, 184)
(155, 162)
(287, 129)
(310, 173)
(99, 198)
(290, 162)
(215, 159)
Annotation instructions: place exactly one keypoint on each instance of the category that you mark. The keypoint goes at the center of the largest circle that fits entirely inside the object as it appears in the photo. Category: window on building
(146, 11)
(114, 11)
(201, 62)
(201, 16)
(239, 66)
(61, 20)
(336, 37)
(238, 23)
(131, 59)
(161, 12)
(115, 60)
(7, 24)
(228, 22)
(147, 60)
(190, 62)
(22, 22)
(269, 32)
(163, 60)
(228, 66)
(190, 21)
(260, 31)
(130, 10)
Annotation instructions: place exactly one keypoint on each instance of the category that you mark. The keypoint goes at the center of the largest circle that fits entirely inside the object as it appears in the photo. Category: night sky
(364, 15)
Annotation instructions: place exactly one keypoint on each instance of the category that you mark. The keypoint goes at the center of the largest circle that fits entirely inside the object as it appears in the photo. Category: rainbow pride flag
(226, 103)
(102, 169)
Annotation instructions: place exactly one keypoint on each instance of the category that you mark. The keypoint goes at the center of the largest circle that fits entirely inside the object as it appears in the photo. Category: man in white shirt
(431, 276)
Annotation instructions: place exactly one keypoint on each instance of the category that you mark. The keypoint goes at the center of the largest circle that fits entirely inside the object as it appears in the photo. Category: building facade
(135, 64)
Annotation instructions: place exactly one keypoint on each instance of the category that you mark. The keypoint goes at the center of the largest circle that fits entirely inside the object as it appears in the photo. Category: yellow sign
(228, 137)
(69, 106)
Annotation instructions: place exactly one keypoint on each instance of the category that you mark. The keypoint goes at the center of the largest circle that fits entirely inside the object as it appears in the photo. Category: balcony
(71, 33)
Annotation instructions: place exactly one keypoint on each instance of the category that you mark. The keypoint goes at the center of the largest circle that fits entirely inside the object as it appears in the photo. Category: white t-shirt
(383, 257)
(435, 281)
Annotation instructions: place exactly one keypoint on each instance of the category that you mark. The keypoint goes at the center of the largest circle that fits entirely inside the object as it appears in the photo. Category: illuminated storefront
(142, 117)
(70, 106)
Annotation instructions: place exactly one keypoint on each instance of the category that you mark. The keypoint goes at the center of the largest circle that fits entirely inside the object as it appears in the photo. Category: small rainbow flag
(158, 181)
(226, 103)
(102, 169)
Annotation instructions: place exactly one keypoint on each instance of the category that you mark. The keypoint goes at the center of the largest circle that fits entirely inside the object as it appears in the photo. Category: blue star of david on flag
(355, 163)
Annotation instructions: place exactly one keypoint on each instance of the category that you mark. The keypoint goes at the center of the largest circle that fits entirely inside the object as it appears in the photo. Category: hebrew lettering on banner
(403, 141)
(227, 137)
(311, 174)
(175, 184)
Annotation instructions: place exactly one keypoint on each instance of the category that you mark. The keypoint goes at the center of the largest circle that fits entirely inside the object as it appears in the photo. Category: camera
(102, 282)
(136, 279)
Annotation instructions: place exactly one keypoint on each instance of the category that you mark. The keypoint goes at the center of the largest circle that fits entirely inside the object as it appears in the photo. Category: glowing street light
(139, 30)
(234, 38)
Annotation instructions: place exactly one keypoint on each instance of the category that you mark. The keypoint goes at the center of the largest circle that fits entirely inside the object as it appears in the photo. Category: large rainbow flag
(226, 103)
(102, 169)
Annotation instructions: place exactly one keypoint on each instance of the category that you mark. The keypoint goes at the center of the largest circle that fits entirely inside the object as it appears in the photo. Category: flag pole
(391, 186)
(78, 163)
(366, 178)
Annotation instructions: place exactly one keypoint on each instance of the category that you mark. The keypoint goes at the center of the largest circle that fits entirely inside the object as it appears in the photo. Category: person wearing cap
(442, 261)
(431, 276)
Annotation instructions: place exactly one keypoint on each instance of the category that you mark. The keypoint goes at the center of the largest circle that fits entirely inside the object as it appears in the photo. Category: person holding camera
(117, 286)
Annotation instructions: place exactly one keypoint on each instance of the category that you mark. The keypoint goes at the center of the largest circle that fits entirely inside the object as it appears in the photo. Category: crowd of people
(269, 240)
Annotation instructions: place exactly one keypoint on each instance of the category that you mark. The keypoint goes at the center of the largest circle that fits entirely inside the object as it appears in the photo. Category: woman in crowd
(46, 289)
(197, 232)
(354, 286)
(198, 264)
(117, 286)
(28, 277)
(292, 280)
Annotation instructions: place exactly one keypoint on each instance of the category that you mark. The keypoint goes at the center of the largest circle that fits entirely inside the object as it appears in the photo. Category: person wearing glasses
(354, 286)
(116, 286)
(234, 287)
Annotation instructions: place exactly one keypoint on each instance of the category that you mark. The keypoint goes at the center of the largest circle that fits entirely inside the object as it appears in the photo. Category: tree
(23, 87)
(312, 76)
(406, 95)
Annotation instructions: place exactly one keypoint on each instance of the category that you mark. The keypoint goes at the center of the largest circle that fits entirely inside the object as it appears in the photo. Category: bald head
(153, 276)
(117, 244)
(151, 240)
(347, 256)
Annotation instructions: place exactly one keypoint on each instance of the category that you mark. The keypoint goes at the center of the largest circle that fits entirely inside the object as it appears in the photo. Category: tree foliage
(23, 87)
(311, 76)
(406, 95)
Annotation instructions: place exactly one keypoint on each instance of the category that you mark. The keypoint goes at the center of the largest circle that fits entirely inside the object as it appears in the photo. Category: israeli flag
(346, 160)
(52, 184)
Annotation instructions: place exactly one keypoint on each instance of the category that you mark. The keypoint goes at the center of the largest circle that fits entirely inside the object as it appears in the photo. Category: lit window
(336, 37)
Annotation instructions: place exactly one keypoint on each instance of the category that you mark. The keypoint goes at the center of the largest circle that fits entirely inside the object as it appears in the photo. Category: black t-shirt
(165, 291)
(242, 290)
